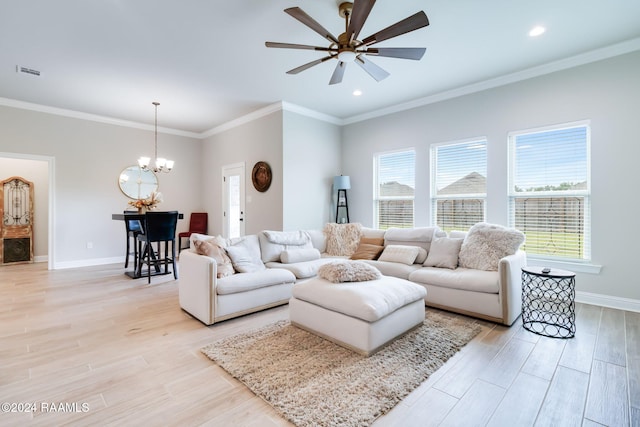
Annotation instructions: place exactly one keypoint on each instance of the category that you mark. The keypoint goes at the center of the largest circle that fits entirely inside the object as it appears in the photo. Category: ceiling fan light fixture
(348, 47)
(347, 55)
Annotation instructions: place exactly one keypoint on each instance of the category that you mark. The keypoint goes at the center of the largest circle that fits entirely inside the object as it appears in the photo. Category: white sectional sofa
(292, 257)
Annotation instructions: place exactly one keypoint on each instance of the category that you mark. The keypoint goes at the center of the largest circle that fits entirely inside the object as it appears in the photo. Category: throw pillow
(212, 250)
(379, 241)
(422, 255)
(486, 244)
(342, 239)
(367, 251)
(399, 253)
(299, 255)
(245, 255)
(348, 271)
(444, 253)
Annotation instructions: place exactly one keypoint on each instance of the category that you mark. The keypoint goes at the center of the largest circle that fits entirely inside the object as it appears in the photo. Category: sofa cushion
(443, 253)
(318, 240)
(348, 271)
(342, 239)
(400, 253)
(373, 233)
(272, 243)
(212, 250)
(369, 301)
(250, 281)
(486, 244)
(302, 270)
(245, 254)
(394, 269)
(460, 278)
(418, 236)
(299, 255)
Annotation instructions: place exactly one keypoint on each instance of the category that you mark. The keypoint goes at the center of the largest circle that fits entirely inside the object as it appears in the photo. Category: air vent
(26, 70)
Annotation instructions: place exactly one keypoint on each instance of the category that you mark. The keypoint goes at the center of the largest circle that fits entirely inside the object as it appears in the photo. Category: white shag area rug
(313, 382)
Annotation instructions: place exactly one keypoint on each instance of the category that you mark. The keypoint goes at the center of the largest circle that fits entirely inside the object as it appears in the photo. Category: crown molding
(304, 111)
(269, 109)
(254, 115)
(91, 117)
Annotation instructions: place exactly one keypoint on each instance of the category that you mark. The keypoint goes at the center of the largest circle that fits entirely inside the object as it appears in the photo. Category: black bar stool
(159, 227)
(133, 227)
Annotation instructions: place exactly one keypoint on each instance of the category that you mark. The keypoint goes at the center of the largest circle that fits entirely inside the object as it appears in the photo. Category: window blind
(395, 189)
(549, 191)
(459, 183)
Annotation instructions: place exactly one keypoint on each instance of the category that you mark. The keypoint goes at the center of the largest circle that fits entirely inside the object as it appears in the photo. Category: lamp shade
(341, 182)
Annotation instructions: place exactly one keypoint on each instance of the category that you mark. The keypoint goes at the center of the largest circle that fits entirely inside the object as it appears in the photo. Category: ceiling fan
(348, 48)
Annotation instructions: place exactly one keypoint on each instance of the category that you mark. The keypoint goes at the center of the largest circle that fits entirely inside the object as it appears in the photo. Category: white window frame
(377, 198)
(584, 194)
(435, 198)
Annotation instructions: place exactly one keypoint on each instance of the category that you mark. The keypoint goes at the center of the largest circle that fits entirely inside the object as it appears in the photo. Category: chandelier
(160, 164)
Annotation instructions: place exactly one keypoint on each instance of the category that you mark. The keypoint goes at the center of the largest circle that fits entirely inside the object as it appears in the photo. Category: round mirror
(136, 183)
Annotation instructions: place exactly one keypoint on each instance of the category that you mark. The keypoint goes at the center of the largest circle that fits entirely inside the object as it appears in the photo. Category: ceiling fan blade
(296, 46)
(309, 65)
(359, 14)
(374, 71)
(302, 16)
(338, 73)
(407, 25)
(414, 53)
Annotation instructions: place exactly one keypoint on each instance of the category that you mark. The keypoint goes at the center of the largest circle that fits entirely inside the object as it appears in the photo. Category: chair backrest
(132, 224)
(198, 222)
(161, 226)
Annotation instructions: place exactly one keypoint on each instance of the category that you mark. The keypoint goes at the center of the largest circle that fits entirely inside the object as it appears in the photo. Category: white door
(233, 200)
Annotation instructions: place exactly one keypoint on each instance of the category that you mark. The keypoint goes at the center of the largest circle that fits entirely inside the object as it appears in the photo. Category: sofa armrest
(510, 272)
(197, 285)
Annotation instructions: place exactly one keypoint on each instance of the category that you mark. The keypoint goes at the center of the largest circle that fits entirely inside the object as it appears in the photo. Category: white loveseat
(490, 295)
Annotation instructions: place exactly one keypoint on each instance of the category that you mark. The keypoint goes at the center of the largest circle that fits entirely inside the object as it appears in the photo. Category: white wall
(89, 157)
(37, 172)
(311, 159)
(249, 143)
(605, 92)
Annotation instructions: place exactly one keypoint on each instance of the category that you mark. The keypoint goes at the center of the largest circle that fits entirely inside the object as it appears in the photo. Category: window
(394, 177)
(549, 190)
(459, 184)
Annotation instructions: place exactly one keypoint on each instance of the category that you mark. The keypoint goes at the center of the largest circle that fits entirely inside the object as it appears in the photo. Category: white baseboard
(619, 303)
(88, 263)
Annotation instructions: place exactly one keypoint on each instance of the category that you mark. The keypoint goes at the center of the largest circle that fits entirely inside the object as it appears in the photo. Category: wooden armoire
(16, 229)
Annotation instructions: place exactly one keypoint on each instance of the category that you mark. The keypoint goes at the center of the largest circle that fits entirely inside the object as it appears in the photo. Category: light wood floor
(117, 351)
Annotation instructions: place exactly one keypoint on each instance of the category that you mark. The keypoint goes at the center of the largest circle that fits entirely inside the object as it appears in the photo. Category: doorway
(233, 203)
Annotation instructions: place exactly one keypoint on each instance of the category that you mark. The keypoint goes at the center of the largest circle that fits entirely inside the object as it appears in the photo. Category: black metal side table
(548, 302)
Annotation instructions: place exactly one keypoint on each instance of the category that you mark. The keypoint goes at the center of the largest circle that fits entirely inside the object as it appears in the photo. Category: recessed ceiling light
(537, 31)
(357, 92)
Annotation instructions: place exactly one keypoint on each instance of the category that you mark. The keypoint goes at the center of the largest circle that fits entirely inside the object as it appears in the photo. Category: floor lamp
(342, 184)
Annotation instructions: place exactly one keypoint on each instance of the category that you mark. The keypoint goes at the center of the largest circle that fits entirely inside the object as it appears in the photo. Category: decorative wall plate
(261, 176)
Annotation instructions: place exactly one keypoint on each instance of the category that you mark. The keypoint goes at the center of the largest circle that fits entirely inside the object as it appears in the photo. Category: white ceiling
(206, 62)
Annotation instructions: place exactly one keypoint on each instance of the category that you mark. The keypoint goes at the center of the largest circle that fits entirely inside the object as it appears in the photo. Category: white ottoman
(362, 316)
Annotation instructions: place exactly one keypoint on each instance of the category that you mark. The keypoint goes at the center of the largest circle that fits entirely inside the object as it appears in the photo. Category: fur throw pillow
(212, 250)
(348, 271)
(486, 244)
(342, 239)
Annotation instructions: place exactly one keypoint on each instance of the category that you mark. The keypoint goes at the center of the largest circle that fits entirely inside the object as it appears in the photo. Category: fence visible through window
(552, 225)
(395, 213)
(459, 214)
